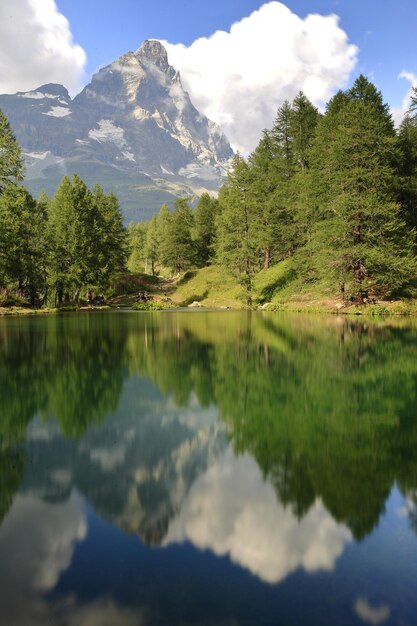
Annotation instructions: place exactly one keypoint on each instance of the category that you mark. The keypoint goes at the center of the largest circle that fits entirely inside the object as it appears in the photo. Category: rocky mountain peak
(153, 52)
(55, 90)
(133, 129)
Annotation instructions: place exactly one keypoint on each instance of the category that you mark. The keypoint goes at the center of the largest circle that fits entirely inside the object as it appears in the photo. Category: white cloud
(232, 510)
(36, 47)
(239, 78)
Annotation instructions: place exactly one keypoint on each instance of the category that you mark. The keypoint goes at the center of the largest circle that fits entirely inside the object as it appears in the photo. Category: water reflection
(232, 510)
(36, 545)
(270, 441)
(371, 614)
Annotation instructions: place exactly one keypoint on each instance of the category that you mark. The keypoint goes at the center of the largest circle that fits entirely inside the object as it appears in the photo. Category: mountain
(133, 129)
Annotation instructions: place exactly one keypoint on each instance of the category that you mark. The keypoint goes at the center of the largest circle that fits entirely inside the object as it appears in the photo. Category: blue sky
(385, 31)
(267, 53)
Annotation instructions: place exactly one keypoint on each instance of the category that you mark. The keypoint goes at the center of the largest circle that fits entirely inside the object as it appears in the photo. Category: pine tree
(181, 250)
(152, 243)
(264, 182)
(303, 119)
(87, 239)
(136, 244)
(62, 240)
(358, 237)
(414, 99)
(205, 228)
(164, 229)
(11, 161)
(110, 237)
(22, 242)
(407, 142)
(238, 225)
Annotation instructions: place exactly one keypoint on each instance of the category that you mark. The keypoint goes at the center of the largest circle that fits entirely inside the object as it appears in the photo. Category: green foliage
(407, 193)
(205, 228)
(86, 239)
(180, 248)
(358, 236)
(11, 160)
(152, 306)
(136, 244)
(152, 243)
(22, 243)
(238, 225)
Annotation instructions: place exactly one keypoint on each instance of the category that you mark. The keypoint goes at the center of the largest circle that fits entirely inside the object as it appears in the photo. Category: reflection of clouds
(104, 613)
(232, 510)
(109, 458)
(36, 545)
(371, 614)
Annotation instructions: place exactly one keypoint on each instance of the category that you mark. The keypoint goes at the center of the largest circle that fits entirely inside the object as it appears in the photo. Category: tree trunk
(267, 258)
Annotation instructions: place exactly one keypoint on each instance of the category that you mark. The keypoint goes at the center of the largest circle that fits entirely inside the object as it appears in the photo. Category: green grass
(211, 286)
(270, 283)
(152, 305)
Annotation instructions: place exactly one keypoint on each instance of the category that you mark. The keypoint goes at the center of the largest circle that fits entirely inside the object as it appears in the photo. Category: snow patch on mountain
(37, 155)
(58, 112)
(108, 132)
(129, 155)
(39, 95)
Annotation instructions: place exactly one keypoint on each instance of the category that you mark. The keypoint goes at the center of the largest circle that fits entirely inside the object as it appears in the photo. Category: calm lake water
(206, 468)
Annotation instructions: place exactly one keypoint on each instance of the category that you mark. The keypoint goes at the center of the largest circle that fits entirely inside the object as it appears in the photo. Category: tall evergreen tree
(62, 240)
(110, 236)
(22, 228)
(152, 243)
(358, 236)
(11, 160)
(136, 243)
(303, 119)
(164, 230)
(264, 182)
(407, 142)
(87, 239)
(238, 226)
(205, 227)
(181, 249)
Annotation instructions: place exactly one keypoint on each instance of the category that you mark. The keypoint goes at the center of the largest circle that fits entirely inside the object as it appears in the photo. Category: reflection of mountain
(135, 469)
(327, 410)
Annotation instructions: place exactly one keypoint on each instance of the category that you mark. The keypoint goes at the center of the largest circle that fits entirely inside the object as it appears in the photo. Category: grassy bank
(211, 287)
(274, 290)
(15, 311)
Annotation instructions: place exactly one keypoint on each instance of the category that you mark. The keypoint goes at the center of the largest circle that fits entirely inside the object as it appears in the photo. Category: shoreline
(398, 308)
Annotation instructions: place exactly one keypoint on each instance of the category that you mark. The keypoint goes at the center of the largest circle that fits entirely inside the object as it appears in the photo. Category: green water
(207, 468)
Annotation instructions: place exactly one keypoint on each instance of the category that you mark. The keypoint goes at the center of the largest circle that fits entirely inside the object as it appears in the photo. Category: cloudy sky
(239, 59)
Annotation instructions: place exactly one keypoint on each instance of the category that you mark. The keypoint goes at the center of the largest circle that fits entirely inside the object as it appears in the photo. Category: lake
(207, 468)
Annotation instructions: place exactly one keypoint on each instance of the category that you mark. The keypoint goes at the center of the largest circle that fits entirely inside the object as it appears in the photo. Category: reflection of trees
(11, 470)
(327, 409)
(85, 361)
(69, 368)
